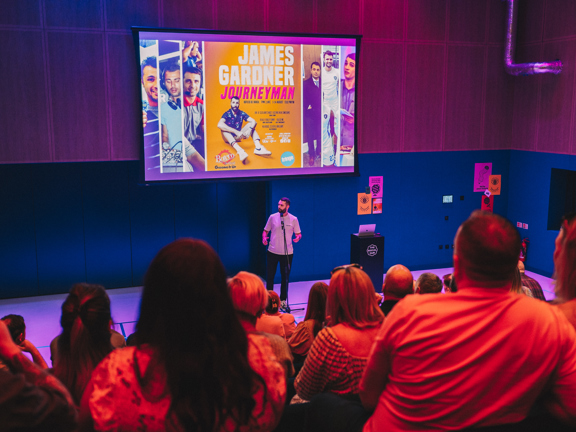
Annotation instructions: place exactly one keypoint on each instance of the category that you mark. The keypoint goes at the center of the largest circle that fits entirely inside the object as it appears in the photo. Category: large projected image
(246, 106)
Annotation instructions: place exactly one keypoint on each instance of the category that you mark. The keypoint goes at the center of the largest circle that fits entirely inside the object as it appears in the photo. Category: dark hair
(16, 325)
(286, 200)
(316, 309)
(446, 279)
(429, 283)
(488, 246)
(85, 338)
(170, 67)
(193, 70)
(352, 56)
(149, 61)
(315, 63)
(187, 316)
(330, 53)
(235, 97)
(273, 302)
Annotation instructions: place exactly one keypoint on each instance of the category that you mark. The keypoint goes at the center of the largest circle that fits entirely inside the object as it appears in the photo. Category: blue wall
(67, 223)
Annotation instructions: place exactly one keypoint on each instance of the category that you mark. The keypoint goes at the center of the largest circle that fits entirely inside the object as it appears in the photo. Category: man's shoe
(262, 151)
(242, 155)
(284, 306)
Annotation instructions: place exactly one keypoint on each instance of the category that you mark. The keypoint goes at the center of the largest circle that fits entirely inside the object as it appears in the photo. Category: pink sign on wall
(376, 186)
(482, 172)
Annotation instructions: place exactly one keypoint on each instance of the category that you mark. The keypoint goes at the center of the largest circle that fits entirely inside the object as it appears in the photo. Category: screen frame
(136, 30)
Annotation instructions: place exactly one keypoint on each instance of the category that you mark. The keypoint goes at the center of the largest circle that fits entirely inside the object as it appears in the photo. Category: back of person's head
(316, 308)
(352, 300)
(85, 338)
(447, 280)
(428, 283)
(486, 251)
(273, 303)
(398, 283)
(249, 296)
(16, 327)
(516, 286)
(564, 259)
(187, 316)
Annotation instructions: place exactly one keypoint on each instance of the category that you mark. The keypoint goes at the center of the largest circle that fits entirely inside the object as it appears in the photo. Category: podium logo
(372, 250)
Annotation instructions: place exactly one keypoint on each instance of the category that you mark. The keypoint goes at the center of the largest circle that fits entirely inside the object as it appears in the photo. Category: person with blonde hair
(250, 298)
(565, 268)
(339, 353)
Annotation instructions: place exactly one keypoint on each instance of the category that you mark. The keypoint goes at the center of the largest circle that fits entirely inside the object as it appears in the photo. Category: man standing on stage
(281, 226)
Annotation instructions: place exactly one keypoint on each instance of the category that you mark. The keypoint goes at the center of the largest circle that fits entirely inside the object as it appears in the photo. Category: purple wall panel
(426, 20)
(20, 13)
(560, 19)
(525, 123)
(497, 24)
(71, 14)
(245, 15)
(384, 19)
(464, 98)
(381, 97)
(188, 14)
(78, 86)
(467, 21)
(423, 100)
(530, 21)
(125, 128)
(338, 16)
(126, 13)
(291, 16)
(24, 117)
(556, 100)
(499, 108)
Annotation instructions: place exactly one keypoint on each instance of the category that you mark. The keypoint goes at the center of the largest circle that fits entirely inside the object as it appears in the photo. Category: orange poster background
(273, 116)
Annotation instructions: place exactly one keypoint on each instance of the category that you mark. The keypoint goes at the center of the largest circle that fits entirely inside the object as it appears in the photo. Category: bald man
(398, 283)
(531, 284)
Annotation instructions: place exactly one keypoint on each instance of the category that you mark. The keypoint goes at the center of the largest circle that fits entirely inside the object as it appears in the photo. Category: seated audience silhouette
(339, 353)
(565, 268)
(271, 323)
(249, 297)
(31, 399)
(272, 309)
(476, 358)
(517, 286)
(398, 283)
(194, 367)
(428, 283)
(85, 337)
(530, 283)
(17, 328)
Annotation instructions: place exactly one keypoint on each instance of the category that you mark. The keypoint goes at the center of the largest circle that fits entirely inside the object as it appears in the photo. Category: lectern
(368, 251)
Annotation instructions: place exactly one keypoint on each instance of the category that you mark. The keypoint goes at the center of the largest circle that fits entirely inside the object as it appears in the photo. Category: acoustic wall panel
(559, 19)
(196, 211)
(291, 16)
(426, 20)
(463, 125)
(85, 14)
(19, 270)
(24, 104)
(384, 19)
(497, 17)
(467, 21)
(424, 94)
(530, 21)
(125, 126)
(121, 15)
(381, 96)
(78, 86)
(20, 13)
(248, 15)
(338, 16)
(188, 14)
(499, 107)
(59, 226)
(557, 100)
(106, 207)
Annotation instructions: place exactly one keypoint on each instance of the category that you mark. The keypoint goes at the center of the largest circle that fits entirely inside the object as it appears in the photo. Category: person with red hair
(565, 268)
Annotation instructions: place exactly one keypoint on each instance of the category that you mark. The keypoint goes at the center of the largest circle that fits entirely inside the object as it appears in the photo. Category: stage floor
(42, 314)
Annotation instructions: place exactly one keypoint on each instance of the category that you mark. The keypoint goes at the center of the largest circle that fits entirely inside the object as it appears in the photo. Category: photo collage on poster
(212, 106)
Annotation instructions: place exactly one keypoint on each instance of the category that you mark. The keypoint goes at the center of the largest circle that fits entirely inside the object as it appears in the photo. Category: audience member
(85, 337)
(17, 328)
(398, 283)
(477, 358)
(249, 297)
(517, 285)
(339, 353)
(31, 399)
(306, 331)
(194, 368)
(273, 309)
(446, 280)
(271, 323)
(565, 268)
(428, 283)
(531, 284)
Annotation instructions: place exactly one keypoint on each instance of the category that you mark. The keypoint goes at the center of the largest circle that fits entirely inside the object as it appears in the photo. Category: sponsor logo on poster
(287, 159)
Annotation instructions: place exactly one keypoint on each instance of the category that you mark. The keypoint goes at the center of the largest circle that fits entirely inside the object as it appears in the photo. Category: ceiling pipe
(510, 48)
